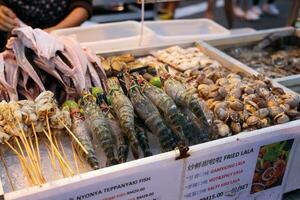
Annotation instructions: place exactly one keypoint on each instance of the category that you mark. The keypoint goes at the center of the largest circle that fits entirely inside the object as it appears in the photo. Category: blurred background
(244, 12)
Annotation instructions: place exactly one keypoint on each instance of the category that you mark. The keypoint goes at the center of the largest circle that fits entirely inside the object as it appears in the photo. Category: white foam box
(110, 36)
(162, 177)
(187, 30)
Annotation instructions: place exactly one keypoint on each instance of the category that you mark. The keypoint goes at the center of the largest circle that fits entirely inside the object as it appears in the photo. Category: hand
(8, 19)
(48, 30)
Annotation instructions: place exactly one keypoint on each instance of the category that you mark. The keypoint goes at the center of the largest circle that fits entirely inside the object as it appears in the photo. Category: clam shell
(252, 120)
(275, 110)
(281, 118)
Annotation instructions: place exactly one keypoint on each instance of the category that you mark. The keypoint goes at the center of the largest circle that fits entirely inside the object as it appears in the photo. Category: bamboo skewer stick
(49, 131)
(75, 158)
(63, 151)
(57, 152)
(29, 166)
(66, 174)
(34, 165)
(22, 160)
(36, 143)
(52, 160)
(74, 137)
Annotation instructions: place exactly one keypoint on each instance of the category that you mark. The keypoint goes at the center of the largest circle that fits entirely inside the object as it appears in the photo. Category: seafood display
(275, 59)
(121, 108)
(233, 102)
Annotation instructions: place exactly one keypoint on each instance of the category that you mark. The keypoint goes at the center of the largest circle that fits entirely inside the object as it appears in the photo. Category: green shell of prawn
(125, 113)
(123, 148)
(186, 99)
(143, 139)
(176, 120)
(100, 129)
(151, 117)
(79, 129)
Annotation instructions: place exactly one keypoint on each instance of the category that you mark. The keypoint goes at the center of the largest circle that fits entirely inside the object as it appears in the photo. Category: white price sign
(159, 180)
(245, 169)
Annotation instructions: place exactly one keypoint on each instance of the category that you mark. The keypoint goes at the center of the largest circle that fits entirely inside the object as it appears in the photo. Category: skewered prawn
(186, 98)
(125, 113)
(176, 120)
(81, 132)
(122, 141)
(99, 128)
(142, 137)
(150, 115)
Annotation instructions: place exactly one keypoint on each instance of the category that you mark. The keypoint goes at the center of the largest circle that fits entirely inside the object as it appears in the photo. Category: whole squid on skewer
(81, 132)
(100, 128)
(150, 115)
(125, 113)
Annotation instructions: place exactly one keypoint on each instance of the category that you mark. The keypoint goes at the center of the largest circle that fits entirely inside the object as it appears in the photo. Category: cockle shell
(252, 120)
(281, 118)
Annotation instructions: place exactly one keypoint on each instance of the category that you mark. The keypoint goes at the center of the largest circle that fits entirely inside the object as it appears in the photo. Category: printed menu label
(239, 172)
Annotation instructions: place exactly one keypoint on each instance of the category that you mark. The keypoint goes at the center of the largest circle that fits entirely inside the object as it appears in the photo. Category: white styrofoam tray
(187, 30)
(110, 36)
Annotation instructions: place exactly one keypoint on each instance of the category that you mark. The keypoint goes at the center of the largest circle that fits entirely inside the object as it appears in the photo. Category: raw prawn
(125, 113)
(142, 137)
(100, 128)
(186, 99)
(176, 120)
(81, 132)
(151, 116)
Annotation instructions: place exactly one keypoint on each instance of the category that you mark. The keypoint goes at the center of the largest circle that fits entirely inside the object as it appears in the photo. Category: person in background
(241, 10)
(45, 14)
(167, 11)
(268, 7)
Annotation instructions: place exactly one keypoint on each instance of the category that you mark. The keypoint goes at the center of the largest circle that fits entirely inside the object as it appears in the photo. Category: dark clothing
(42, 13)
(256, 2)
(45, 13)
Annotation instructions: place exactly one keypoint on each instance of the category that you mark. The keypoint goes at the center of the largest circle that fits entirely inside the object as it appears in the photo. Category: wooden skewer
(57, 153)
(63, 151)
(50, 134)
(52, 160)
(36, 143)
(75, 158)
(28, 177)
(60, 147)
(81, 161)
(21, 159)
(34, 167)
(60, 162)
(30, 166)
(74, 137)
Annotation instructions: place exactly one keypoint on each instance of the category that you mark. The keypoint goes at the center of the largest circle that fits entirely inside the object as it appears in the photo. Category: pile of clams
(236, 102)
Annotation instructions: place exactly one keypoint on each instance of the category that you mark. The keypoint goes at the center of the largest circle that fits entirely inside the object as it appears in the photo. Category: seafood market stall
(168, 122)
